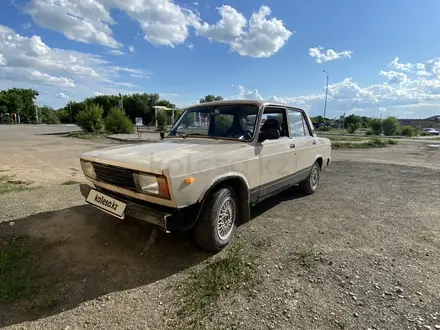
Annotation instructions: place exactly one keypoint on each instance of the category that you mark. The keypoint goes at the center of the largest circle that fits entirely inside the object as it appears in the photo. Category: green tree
(48, 115)
(63, 115)
(73, 108)
(166, 103)
(353, 127)
(90, 119)
(4, 101)
(408, 131)
(107, 102)
(117, 122)
(210, 98)
(353, 120)
(161, 120)
(390, 126)
(317, 120)
(376, 125)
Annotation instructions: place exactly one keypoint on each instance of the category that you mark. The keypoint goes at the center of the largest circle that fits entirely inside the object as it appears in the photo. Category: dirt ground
(372, 230)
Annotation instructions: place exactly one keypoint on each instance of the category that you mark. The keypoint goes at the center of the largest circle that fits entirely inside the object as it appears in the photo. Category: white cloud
(163, 22)
(433, 67)
(125, 84)
(401, 91)
(131, 49)
(63, 96)
(27, 26)
(116, 52)
(190, 46)
(262, 38)
(328, 55)
(27, 62)
(400, 66)
(395, 78)
(34, 76)
(84, 21)
(3, 60)
(248, 94)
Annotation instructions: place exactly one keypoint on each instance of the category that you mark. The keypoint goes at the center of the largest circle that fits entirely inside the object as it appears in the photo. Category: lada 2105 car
(218, 160)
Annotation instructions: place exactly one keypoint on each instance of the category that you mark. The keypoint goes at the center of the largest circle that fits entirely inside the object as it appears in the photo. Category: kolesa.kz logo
(103, 201)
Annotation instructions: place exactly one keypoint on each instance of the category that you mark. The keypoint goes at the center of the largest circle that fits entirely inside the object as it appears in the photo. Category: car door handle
(292, 145)
(314, 142)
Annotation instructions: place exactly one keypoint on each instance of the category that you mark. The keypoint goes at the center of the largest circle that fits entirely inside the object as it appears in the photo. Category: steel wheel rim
(225, 218)
(314, 177)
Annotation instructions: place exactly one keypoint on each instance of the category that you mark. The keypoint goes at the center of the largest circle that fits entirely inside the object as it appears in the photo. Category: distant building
(430, 122)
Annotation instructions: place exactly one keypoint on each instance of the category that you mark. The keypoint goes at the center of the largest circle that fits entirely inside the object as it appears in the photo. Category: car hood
(164, 155)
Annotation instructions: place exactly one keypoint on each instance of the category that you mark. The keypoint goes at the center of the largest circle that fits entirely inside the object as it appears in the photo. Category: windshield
(227, 121)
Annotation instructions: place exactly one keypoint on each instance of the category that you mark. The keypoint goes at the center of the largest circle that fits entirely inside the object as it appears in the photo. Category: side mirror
(269, 134)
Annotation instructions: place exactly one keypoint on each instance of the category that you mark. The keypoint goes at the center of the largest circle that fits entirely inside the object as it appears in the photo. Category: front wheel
(216, 223)
(310, 184)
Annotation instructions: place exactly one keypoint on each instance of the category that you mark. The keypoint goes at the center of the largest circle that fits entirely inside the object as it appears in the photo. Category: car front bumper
(163, 218)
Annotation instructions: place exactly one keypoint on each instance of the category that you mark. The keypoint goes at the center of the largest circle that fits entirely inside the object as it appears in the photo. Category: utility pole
(70, 112)
(326, 95)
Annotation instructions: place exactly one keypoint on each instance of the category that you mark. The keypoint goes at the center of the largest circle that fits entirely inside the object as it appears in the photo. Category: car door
(277, 162)
(305, 143)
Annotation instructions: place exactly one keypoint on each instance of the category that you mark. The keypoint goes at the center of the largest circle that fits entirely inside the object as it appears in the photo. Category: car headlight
(152, 185)
(88, 169)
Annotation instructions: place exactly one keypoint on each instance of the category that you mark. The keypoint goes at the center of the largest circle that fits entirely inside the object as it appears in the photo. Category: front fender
(221, 178)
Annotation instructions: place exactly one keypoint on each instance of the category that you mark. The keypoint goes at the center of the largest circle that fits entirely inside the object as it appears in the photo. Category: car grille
(114, 175)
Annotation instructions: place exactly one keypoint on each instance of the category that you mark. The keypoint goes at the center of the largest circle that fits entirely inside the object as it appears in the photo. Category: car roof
(241, 102)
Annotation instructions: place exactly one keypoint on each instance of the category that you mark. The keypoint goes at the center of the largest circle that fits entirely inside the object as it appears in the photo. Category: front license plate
(106, 203)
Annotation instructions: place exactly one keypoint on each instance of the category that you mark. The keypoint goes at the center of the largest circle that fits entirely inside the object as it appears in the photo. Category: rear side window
(297, 124)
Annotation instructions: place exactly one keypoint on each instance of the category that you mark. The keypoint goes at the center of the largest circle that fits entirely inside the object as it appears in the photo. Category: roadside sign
(139, 121)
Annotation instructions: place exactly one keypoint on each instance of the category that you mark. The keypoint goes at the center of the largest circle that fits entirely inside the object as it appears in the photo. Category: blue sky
(383, 57)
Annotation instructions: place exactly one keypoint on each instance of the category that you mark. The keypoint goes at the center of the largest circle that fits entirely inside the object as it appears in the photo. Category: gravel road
(372, 231)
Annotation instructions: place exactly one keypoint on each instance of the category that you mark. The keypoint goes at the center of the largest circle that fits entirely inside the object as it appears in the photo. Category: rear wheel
(310, 185)
(216, 223)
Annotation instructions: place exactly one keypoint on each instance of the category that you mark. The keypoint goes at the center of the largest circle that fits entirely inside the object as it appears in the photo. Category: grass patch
(372, 143)
(19, 276)
(7, 185)
(85, 135)
(70, 183)
(205, 286)
(306, 257)
(347, 138)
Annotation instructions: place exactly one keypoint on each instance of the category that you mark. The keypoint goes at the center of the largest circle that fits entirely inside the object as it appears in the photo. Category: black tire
(206, 230)
(310, 185)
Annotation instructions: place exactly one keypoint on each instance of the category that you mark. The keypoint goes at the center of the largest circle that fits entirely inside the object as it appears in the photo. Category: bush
(90, 119)
(408, 131)
(377, 142)
(161, 120)
(353, 127)
(390, 141)
(376, 126)
(390, 126)
(117, 122)
(369, 133)
(63, 115)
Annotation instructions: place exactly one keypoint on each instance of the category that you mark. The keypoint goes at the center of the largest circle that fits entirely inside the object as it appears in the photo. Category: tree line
(141, 105)
(20, 101)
